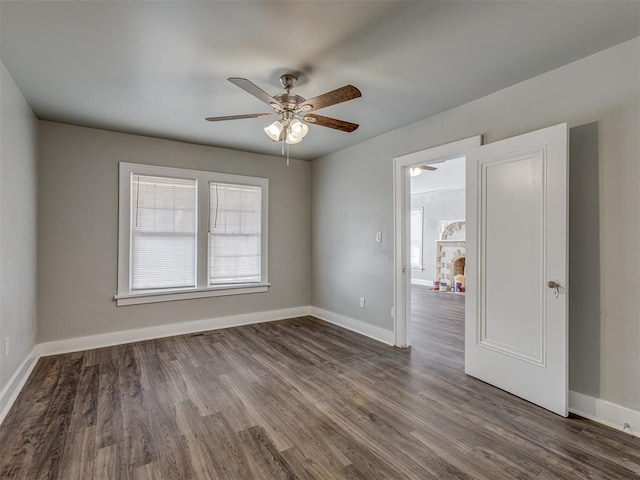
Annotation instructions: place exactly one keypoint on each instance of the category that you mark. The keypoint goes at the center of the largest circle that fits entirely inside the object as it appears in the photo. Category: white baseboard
(13, 387)
(607, 413)
(426, 283)
(358, 326)
(149, 333)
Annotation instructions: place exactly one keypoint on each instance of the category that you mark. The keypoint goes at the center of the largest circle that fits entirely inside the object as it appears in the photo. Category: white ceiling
(159, 68)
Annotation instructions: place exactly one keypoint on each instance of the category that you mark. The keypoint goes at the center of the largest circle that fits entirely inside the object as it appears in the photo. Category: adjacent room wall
(352, 200)
(78, 231)
(437, 206)
(18, 180)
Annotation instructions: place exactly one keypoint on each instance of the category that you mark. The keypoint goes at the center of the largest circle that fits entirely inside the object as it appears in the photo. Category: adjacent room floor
(295, 399)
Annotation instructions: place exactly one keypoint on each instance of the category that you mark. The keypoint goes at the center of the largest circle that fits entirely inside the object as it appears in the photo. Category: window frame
(125, 296)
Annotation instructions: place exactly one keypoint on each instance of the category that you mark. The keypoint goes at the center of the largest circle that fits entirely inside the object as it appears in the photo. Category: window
(416, 238)
(189, 234)
(234, 233)
(163, 232)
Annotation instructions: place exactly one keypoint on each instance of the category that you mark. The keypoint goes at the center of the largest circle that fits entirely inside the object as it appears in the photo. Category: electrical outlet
(6, 346)
(361, 302)
(379, 237)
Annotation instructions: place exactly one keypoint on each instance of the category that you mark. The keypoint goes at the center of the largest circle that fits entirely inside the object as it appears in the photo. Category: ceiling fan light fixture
(415, 171)
(274, 131)
(298, 128)
(296, 131)
(292, 139)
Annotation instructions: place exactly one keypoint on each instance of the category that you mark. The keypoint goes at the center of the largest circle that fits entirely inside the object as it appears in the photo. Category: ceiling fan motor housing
(289, 100)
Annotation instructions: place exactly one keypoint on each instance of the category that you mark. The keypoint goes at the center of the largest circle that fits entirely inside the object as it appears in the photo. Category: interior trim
(358, 326)
(605, 412)
(169, 296)
(11, 390)
(127, 336)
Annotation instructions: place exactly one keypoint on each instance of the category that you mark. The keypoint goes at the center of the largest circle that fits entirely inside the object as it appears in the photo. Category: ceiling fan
(415, 171)
(294, 110)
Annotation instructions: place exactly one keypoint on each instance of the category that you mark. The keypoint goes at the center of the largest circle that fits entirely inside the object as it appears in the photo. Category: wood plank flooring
(296, 399)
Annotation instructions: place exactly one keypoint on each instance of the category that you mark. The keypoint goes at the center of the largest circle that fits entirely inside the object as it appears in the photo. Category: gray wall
(437, 206)
(352, 198)
(18, 180)
(78, 231)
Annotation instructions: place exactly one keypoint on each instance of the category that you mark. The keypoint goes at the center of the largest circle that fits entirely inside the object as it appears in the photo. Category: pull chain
(215, 218)
(137, 198)
(284, 140)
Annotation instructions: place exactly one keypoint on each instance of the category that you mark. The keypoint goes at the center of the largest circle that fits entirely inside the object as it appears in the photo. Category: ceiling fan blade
(256, 91)
(330, 122)
(427, 167)
(240, 117)
(339, 95)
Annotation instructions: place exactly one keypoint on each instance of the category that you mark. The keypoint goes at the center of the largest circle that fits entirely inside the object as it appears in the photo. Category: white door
(516, 321)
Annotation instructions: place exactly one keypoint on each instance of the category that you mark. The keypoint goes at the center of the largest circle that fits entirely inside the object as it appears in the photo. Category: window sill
(168, 296)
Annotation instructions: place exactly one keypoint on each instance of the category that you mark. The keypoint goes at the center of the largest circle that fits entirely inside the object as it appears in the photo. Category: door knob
(555, 286)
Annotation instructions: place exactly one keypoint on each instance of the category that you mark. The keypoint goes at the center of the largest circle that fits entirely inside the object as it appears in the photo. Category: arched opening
(458, 266)
(459, 269)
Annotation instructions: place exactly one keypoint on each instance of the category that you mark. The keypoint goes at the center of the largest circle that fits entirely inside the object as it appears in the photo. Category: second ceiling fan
(294, 110)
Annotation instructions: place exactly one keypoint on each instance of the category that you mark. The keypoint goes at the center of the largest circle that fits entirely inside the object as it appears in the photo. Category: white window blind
(235, 229)
(163, 232)
(416, 238)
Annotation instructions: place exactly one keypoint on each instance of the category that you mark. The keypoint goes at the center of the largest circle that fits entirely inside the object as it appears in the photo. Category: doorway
(437, 257)
(430, 196)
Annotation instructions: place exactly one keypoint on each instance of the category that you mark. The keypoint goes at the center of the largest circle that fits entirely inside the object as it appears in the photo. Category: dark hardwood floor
(296, 399)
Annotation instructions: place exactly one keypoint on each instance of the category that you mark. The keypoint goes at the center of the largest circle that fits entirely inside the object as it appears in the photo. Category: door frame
(401, 209)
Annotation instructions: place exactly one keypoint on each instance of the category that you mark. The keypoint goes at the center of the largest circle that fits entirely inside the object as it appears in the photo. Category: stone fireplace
(450, 252)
